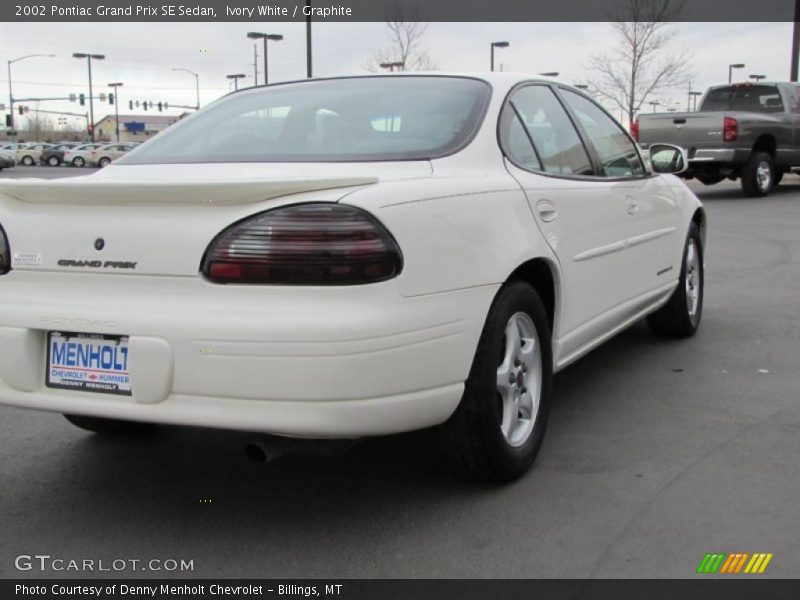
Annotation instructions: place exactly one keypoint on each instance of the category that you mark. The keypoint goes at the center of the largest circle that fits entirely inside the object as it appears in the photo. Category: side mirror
(666, 158)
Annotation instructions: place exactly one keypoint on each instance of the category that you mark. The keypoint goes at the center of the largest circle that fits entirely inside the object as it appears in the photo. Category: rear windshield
(754, 98)
(372, 118)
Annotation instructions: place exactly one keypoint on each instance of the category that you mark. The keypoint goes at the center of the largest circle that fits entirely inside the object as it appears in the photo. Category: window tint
(519, 147)
(375, 118)
(557, 143)
(746, 97)
(617, 153)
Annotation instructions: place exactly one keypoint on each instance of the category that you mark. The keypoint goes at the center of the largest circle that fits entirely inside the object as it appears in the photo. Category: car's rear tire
(53, 161)
(498, 428)
(111, 427)
(680, 316)
(28, 161)
(104, 162)
(758, 176)
(78, 161)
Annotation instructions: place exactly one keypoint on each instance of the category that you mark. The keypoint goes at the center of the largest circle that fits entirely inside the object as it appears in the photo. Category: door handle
(547, 211)
(631, 205)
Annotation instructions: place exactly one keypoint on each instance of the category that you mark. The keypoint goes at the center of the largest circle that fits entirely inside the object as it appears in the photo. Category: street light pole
(731, 68)
(255, 35)
(308, 40)
(89, 58)
(236, 77)
(196, 82)
(116, 87)
(10, 91)
(392, 65)
(494, 45)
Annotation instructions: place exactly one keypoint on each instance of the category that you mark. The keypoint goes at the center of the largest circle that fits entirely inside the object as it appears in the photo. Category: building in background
(132, 128)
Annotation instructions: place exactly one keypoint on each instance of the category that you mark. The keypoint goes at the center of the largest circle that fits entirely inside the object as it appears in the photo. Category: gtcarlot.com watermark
(46, 563)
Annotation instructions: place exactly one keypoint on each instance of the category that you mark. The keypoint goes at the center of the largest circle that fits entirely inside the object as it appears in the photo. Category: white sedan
(348, 257)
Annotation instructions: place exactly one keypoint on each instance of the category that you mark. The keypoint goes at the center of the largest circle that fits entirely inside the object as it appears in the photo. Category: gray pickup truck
(741, 131)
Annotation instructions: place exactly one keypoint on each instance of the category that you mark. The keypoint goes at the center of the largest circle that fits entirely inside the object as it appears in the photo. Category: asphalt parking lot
(657, 452)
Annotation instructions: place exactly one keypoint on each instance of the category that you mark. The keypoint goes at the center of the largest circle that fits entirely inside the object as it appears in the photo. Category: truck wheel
(680, 316)
(111, 427)
(758, 177)
(498, 428)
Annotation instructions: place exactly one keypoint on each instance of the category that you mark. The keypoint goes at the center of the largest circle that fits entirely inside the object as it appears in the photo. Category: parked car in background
(367, 256)
(105, 155)
(29, 154)
(76, 157)
(13, 147)
(7, 159)
(54, 155)
(746, 131)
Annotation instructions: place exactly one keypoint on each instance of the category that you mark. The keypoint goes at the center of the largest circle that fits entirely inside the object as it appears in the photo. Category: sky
(142, 55)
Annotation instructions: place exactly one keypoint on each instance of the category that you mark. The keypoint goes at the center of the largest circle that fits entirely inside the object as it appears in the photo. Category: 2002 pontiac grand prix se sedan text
(348, 257)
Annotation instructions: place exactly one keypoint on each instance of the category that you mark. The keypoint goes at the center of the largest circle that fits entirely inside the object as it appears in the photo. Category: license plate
(88, 362)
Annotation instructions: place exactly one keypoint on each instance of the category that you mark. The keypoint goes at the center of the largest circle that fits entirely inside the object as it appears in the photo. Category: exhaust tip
(256, 453)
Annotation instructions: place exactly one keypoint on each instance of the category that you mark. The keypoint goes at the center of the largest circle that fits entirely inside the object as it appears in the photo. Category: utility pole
(795, 41)
(255, 64)
(308, 40)
(116, 87)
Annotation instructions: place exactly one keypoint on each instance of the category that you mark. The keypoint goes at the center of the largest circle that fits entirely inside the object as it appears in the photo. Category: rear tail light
(304, 244)
(5, 255)
(635, 129)
(730, 129)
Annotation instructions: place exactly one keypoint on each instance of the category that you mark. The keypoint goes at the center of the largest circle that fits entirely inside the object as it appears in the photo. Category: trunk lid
(159, 219)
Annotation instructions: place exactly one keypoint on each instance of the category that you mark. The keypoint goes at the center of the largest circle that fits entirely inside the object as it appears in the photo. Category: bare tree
(642, 64)
(38, 126)
(405, 48)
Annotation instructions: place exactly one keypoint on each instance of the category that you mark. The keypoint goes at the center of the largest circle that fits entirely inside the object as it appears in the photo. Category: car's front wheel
(28, 161)
(53, 161)
(680, 316)
(103, 162)
(78, 161)
(111, 427)
(498, 427)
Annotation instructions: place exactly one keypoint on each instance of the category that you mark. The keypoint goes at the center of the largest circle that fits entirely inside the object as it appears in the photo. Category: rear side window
(747, 97)
(615, 150)
(557, 144)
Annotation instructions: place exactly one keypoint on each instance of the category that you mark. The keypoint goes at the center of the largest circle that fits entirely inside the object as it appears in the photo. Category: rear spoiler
(81, 190)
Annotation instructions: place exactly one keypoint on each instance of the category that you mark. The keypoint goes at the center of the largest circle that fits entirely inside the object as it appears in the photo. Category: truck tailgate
(688, 130)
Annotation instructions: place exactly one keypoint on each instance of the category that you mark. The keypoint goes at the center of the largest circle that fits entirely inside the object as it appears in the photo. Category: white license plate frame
(88, 362)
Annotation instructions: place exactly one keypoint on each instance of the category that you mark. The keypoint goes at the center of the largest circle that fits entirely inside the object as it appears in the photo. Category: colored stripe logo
(735, 563)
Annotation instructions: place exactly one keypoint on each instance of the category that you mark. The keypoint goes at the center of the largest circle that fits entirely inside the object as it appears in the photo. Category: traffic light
(82, 99)
(144, 105)
(21, 110)
(160, 107)
(130, 104)
(8, 120)
(111, 99)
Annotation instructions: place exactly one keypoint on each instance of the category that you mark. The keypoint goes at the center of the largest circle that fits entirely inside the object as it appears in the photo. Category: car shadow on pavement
(200, 463)
(732, 191)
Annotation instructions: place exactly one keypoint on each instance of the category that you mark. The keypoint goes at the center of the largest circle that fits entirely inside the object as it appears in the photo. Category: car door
(652, 213)
(586, 212)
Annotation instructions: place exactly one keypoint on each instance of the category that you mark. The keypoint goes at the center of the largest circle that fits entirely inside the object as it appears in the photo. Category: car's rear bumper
(337, 362)
(720, 156)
